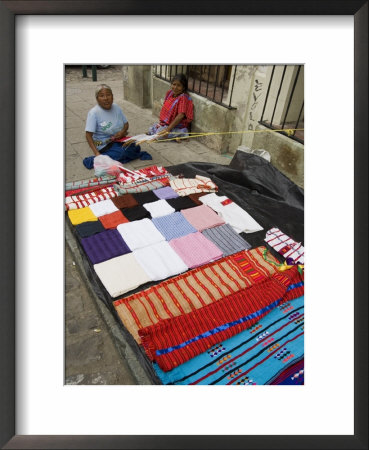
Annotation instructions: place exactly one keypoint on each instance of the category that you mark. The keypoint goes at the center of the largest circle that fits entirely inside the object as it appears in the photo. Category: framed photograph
(37, 39)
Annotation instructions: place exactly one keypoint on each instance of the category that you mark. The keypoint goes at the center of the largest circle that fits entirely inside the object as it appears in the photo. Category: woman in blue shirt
(105, 125)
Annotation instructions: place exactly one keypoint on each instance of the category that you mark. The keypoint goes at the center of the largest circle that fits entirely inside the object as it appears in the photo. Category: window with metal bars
(284, 101)
(212, 82)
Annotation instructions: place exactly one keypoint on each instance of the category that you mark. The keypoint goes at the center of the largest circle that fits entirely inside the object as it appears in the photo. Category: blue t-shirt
(104, 123)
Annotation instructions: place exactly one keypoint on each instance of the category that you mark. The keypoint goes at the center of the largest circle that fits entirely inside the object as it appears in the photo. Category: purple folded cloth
(195, 250)
(173, 226)
(165, 193)
(105, 245)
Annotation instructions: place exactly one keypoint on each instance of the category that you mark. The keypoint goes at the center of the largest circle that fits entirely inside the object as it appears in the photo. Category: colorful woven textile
(77, 216)
(145, 197)
(148, 172)
(136, 213)
(187, 186)
(85, 190)
(160, 261)
(233, 214)
(140, 233)
(194, 289)
(181, 203)
(103, 207)
(87, 199)
(112, 220)
(172, 342)
(159, 208)
(97, 181)
(105, 245)
(202, 217)
(270, 352)
(225, 238)
(195, 249)
(132, 188)
(121, 274)
(284, 245)
(86, 229)
(173, 226)
(165, 193)
(124, 201)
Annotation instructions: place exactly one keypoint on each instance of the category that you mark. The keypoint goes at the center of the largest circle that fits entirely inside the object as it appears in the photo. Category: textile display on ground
(194, 289)
(172, 342)
(269, 352)
(254, 186)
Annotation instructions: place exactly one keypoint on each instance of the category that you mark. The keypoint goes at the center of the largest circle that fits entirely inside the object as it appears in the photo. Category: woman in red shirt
(177, 111)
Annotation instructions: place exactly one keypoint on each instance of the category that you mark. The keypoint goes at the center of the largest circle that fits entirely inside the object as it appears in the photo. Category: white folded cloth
(160, 261)
(238, 218)
(140, 233)
(102, 208)
(121, 274)
(159, 208)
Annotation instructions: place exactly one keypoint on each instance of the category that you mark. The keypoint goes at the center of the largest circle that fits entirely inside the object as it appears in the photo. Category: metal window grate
(284, 101)
(212, 82)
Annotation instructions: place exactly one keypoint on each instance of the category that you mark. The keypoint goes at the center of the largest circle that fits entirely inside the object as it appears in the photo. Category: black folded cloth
(136, 213)
(87, 229)
(145, 197)
(181, 203)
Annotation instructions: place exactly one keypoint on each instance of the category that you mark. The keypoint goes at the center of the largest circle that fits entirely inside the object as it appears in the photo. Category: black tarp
(256, 186)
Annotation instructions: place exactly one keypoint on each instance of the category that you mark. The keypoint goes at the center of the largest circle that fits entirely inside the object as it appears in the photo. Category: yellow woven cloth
(78, 216)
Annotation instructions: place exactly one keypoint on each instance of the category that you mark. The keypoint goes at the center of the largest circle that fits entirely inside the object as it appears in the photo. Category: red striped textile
(190, 331)
(193, 289)
(82, 200)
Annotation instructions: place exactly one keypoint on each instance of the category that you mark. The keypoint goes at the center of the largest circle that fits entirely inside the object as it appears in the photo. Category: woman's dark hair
(182, 79)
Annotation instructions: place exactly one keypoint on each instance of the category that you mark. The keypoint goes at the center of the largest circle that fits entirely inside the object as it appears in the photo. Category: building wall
(286, 154)
(137, 82)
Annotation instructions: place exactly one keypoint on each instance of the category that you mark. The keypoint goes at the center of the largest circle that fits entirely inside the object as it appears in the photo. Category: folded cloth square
(86, 229)
(165, 193)
(136, 213)
(160, 261)
(114, 219)
(102, 208)
(145, 197)
(225, 238)
(105, 245)
(173, 226)
(77, 216)
(238, 218)
(124, 201)
(195, 249)
(196, 197)
(140, 233)
(182, 203)
(202, 217)
(159, 208)
(122, 274)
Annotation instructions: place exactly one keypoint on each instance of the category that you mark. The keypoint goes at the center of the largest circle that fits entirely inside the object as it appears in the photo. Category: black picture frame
(8, 10)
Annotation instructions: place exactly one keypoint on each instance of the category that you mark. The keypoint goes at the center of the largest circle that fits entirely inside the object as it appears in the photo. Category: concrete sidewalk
(95, 351)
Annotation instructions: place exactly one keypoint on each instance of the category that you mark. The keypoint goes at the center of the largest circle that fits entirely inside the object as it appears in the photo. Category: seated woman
(105, 125)
(177, 111)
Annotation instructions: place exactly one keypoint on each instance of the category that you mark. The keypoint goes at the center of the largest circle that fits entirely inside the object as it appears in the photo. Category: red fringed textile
(172, 342)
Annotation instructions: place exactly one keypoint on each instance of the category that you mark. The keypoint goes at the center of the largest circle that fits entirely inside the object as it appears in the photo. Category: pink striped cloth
(202, 217)
(195, 250)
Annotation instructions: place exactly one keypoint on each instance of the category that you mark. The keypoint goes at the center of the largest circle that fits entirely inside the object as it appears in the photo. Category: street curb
(123, 347)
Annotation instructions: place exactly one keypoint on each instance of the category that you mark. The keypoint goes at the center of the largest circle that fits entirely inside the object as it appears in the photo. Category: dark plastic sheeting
(256, 186)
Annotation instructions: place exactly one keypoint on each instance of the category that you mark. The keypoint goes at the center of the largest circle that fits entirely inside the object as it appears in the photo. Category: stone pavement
(95, 353)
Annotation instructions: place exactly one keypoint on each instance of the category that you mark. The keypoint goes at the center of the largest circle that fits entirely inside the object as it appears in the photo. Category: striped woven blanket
(194, 289)
(173, 341)
(270, 352)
